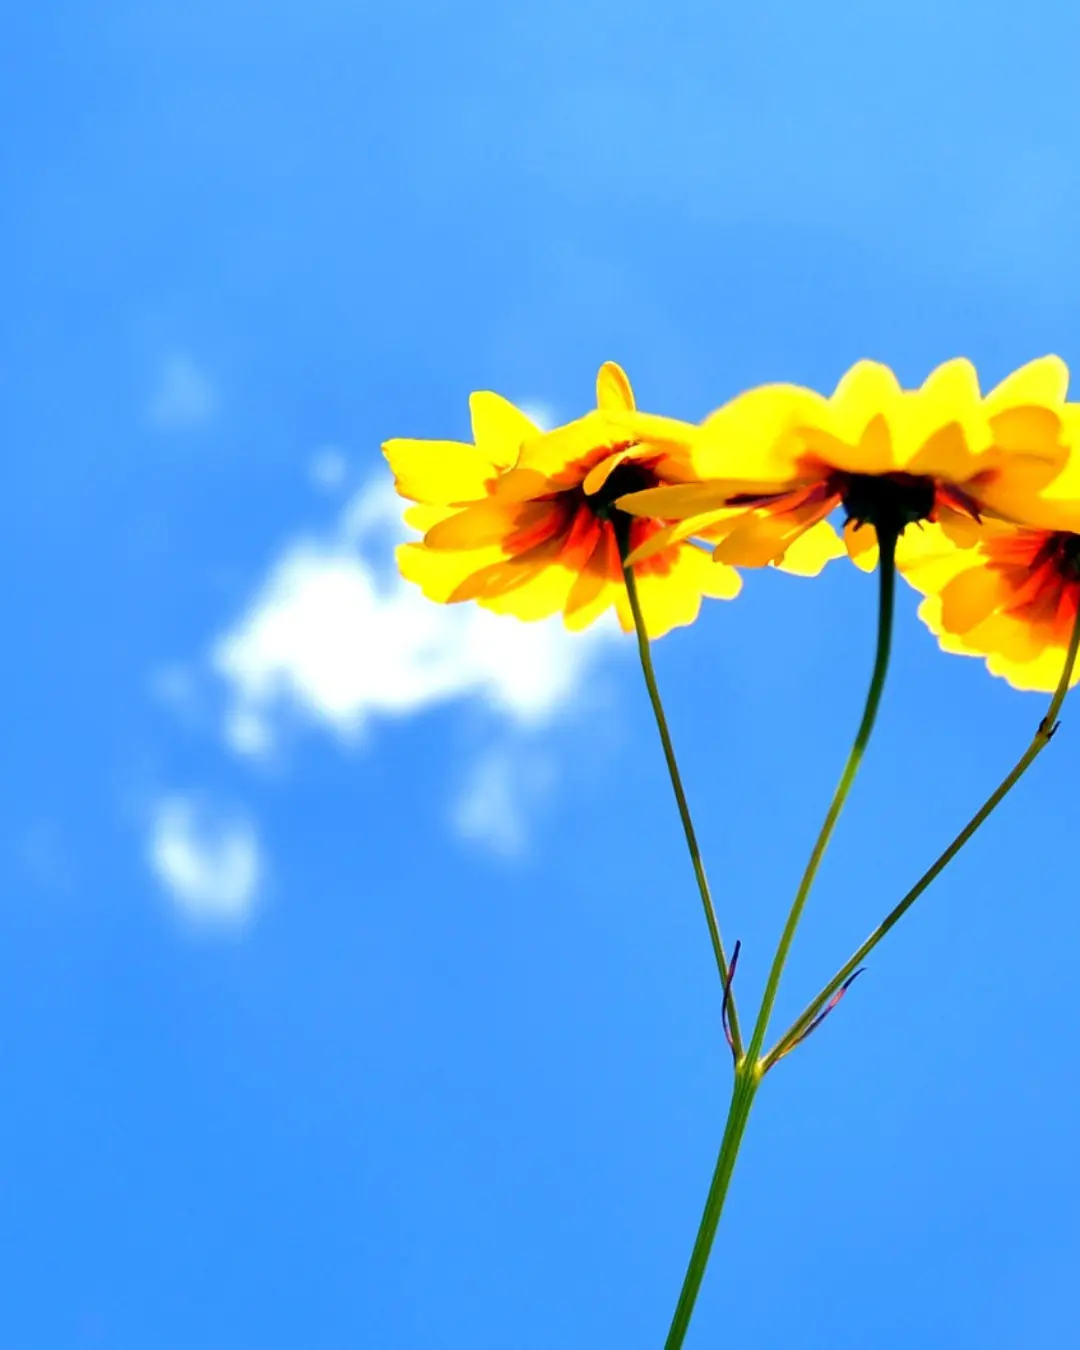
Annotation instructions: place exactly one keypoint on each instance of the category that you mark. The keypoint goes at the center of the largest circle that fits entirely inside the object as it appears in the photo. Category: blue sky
(353, 986)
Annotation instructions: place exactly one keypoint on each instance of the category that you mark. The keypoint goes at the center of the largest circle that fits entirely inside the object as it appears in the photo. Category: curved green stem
(1039, 742)
(886, 595)
(647, 670)
(750, 1069)
(747, 1078)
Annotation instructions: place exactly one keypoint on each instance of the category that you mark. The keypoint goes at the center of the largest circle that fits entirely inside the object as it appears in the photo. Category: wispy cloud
(184, 396)
(329, 469)
(543, 414)
(335, 636)
(499, 796)
(208, 860)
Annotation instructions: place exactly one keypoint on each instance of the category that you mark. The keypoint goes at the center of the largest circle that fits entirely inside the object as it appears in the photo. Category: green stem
(886, 594)
(747, 1078)
(1039, 742)
(680, 797)
(750, 1070)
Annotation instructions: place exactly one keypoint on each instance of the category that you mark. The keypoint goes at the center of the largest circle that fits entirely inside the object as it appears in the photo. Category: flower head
(525, 522)
(774, 463)
(1011, 599)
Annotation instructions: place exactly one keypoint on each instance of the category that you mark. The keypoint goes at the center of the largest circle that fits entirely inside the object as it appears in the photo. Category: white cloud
(247, 732)
(496, 799)
(328, 469)
(335, 635)
(543, 414)
(176, 686)
(209, 861)
(184, 396)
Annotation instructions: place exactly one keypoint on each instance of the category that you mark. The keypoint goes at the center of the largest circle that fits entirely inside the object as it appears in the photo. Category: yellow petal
(971, 597)
(948, 453)
(716, 580)
(519, 485)
(670, 595)
(679, 501)
(757, 437)
(1044, 490)
(582, 616)
(440, 574)
(651, 432)
(613, 390)
(930, 613)
(808, 554)
(1043, 381)
(954, 384)
(1027, 430)
(590, 593)
(543, 594)
(506, 576)
(439, 471)
(485, 523)
(861, 544)
(499, 429)
(658, 542)
(876, 451)
(597, 477)
(757, 540)
(557, 452)
(868, 391)
(713, 526)
(423, 515)
(941, 429)
(928, 559)
(1041, 674)
(1008, 636)
(667, 602)
(958, 527)
(764, 536)
(619, 601)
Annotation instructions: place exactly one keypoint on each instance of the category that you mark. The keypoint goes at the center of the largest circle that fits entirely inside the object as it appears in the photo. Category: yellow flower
(775, 462)
(1012, 598)
(524, 521)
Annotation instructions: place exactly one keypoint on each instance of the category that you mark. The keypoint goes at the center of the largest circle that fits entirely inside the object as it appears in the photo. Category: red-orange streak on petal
(581, 540)
(1065, 619)
(641, 530)
(1030, 595)
(608, 552)
(1019, 550)
(1035, 589)
(551, 523)
(948, 494)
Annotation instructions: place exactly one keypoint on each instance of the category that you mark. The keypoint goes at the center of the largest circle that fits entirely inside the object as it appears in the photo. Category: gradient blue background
(426, 1097)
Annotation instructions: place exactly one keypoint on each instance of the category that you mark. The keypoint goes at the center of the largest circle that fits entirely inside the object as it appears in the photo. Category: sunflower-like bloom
(775, 462)
(524, 521)
(1011, 599)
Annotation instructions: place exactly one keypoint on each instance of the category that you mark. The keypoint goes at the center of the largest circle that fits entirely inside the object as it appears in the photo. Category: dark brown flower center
(1063, 550)
(889, 501)
(629, 476)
